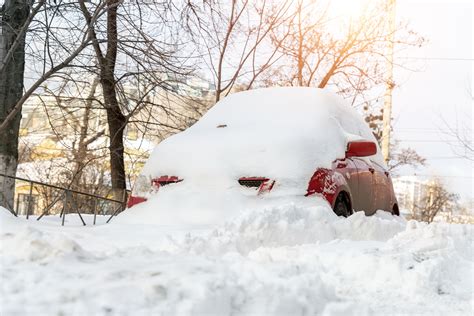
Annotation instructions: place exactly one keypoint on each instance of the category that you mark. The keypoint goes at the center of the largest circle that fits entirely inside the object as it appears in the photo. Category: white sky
(442, 90)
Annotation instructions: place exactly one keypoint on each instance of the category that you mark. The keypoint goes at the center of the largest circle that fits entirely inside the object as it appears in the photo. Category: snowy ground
(281, 260)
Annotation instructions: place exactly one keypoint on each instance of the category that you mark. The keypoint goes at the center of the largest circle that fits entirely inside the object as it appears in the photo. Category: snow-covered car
(273, 142)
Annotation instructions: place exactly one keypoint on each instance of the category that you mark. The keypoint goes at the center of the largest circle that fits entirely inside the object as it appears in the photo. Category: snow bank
(185, 204)
(24, 242)
(285, 259)
(292, 225)
(31, 244)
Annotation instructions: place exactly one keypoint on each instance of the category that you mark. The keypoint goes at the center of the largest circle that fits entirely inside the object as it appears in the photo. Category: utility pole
(300, 46)
(387, 106)
(13, 15)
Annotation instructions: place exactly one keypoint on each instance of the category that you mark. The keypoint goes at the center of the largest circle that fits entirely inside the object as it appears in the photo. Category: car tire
(341, 207)
(395, 210)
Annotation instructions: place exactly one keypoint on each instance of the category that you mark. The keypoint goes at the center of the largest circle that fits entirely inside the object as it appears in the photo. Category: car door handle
(372, 170)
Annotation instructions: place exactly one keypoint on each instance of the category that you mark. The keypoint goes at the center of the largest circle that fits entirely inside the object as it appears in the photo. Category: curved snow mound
(281, 133)
(20, 242)
(31, 244)
(291, 225)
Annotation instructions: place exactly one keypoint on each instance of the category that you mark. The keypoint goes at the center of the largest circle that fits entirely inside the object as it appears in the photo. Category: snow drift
(279, 260)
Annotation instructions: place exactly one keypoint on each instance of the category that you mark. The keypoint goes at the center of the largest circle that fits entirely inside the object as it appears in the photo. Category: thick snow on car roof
(280, 133)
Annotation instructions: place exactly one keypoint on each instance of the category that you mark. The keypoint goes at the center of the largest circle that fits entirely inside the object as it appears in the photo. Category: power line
(440, 176)
(447, 157)
(438, 58)
(430, 141)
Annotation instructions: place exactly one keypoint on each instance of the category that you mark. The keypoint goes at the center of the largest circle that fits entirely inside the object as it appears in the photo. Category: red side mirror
(361, 148)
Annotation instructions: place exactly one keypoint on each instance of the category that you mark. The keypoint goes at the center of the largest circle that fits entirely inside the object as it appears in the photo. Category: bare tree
(400, 156)
(126, 49)
(110, 39)
(18, 22)
(461, 131)
(72, 150)
(405, 157)
(234, 40)
(73, 112)
(15, 15)
(437, 199)
(106, 63)
(323, 50)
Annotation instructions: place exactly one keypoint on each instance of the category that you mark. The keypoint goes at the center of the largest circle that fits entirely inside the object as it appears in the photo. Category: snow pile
(40, 247)
(286, 259)
(291, 225)
(27, 243)
(185, 204)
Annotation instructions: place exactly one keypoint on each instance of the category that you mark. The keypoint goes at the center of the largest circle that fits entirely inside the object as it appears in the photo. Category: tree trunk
(14, 16)
(116, 123)
(115, 119)
(80, 152)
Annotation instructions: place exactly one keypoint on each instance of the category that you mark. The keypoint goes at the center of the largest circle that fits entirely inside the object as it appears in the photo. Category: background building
(410, 192)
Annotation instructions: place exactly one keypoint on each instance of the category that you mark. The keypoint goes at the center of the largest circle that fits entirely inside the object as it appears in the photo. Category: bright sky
(441, 91)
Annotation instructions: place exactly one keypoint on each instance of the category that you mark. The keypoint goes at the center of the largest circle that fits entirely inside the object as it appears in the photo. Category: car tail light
(259, 183)
(144, 186)
(141, 188)
(165, 180)
(133, 200)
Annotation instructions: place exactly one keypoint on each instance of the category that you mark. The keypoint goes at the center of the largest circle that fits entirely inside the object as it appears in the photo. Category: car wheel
(341, 207)
(395, 210)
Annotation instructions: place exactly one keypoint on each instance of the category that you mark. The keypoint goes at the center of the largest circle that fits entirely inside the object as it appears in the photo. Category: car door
(364, 198)
(347, 168)
(381, 188)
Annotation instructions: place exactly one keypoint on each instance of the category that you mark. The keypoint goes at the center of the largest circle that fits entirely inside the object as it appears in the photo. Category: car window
(379, 165)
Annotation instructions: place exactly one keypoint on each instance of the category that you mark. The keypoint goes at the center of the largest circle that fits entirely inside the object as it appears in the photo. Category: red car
(274, 142)
(356, 184)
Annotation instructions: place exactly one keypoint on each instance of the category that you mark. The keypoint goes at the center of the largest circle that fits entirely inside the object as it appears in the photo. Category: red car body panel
(134, 200)
(156, 183)
(367, 185)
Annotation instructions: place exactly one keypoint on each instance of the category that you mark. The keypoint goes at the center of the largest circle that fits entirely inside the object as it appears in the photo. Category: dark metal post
(74, 204)
(114, 213)
(17, 204)
(51, 206)
(121, 207)
(95, 209)
(68, 201)
(124, 199)
(28, 209)
(66, 205)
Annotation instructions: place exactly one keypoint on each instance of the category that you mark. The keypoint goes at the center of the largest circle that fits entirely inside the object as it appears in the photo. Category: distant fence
(37, 198)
